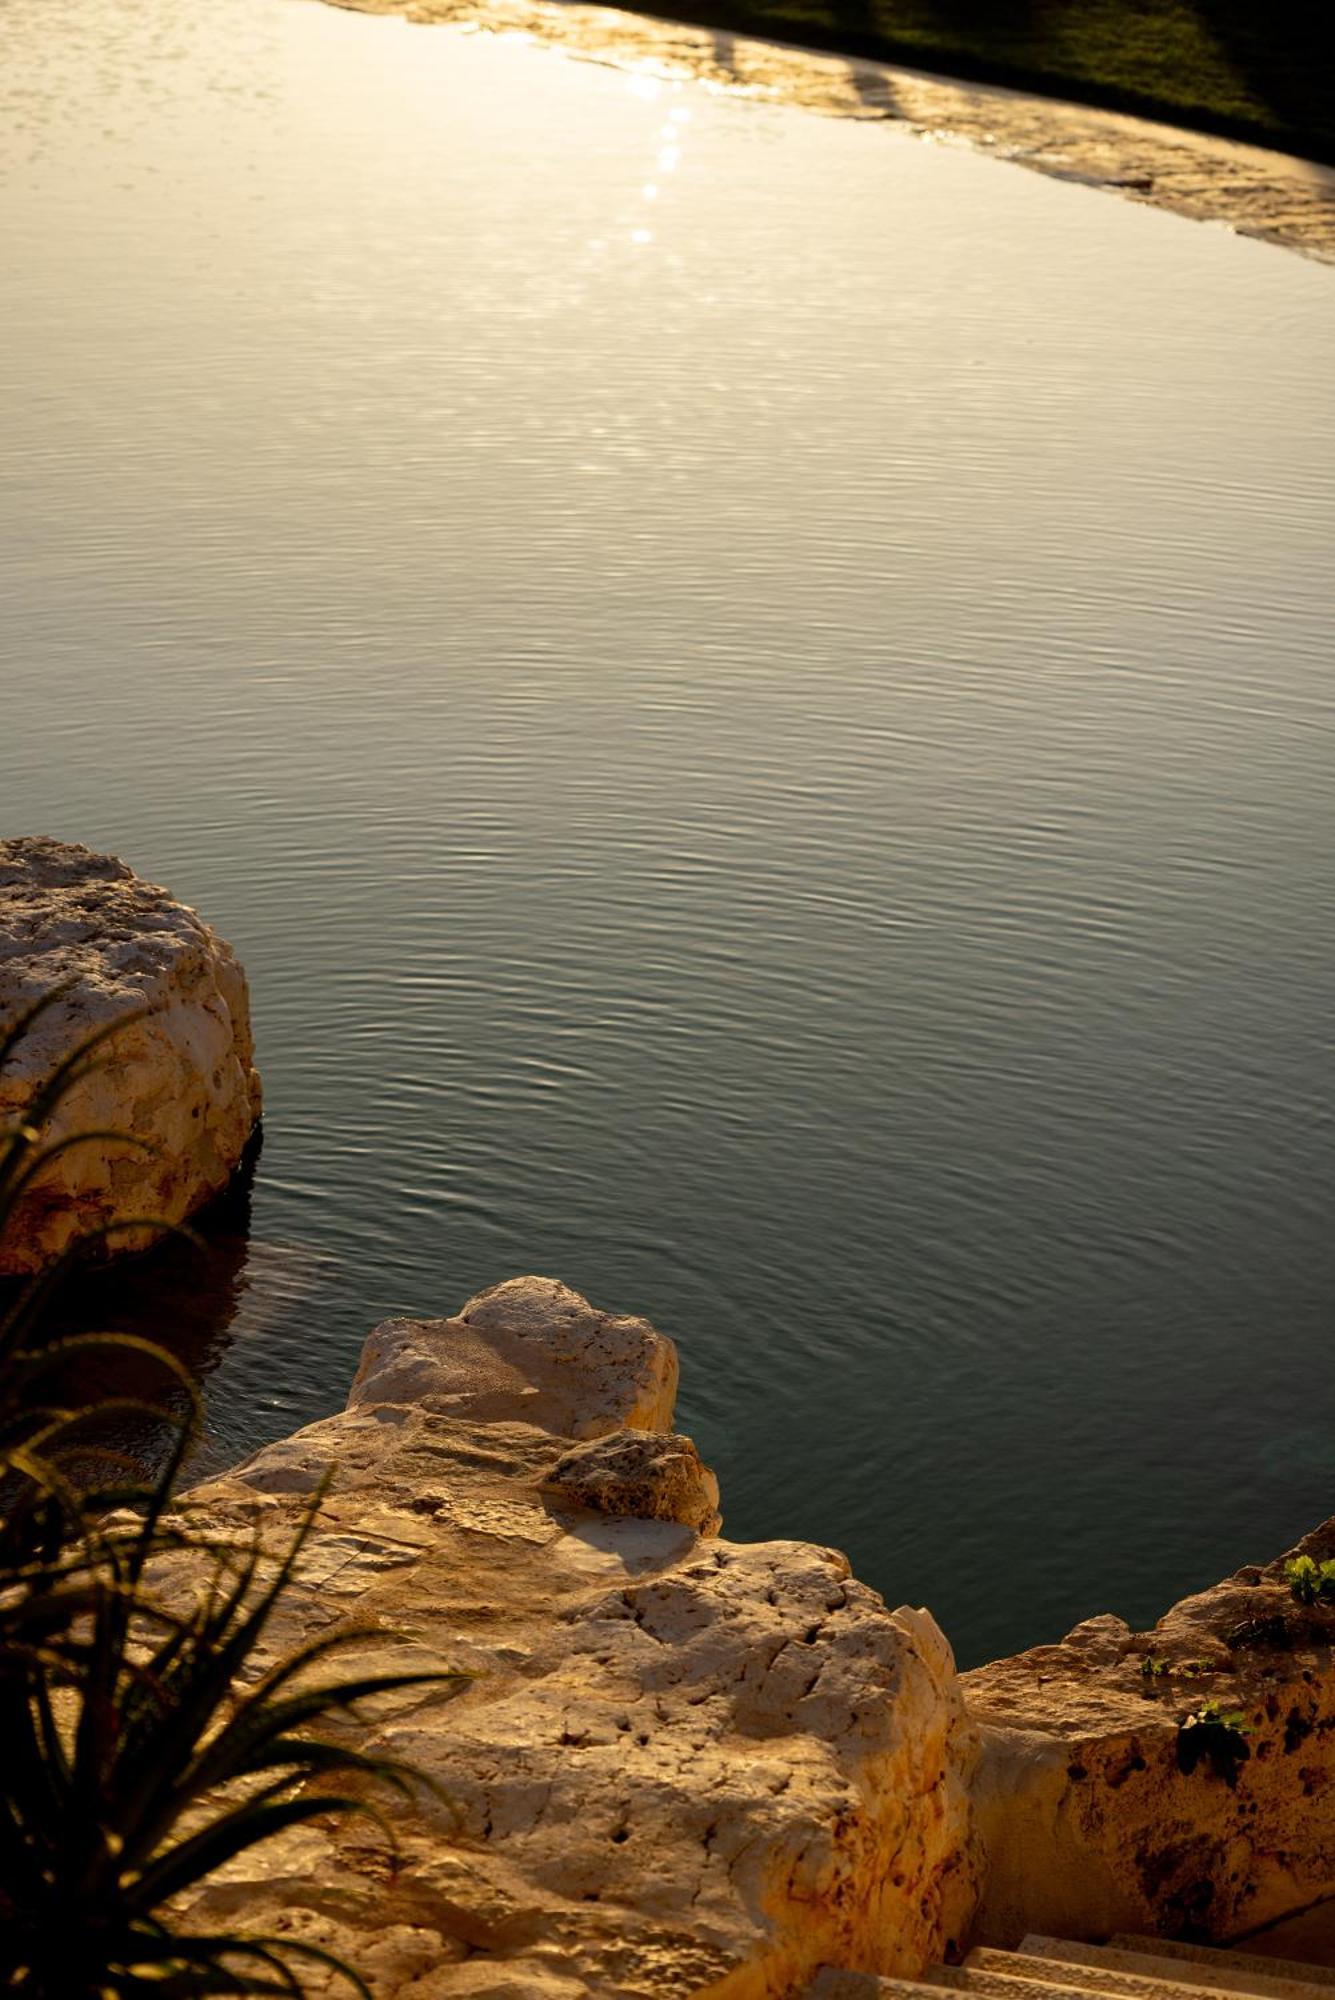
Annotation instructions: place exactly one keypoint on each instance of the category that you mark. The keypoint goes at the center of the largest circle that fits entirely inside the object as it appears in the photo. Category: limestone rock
(1102, 1639)
(687, 1767)
(683, 1766)
(1094, 1821)
(529, 1351)
(181, 1079)
(641, 1474)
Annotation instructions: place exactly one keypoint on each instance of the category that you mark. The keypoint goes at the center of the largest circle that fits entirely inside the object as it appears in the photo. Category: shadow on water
(724, 45)
(874, 90)
(187, 1296)
(1221, 65)
(1221, 62)
(1285, 54)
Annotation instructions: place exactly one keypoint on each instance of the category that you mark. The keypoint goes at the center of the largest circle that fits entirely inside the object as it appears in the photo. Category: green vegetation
(1311, 1582)
(1264, 73)
(1216, 1735)
(132, 1769)
(1154, 1666)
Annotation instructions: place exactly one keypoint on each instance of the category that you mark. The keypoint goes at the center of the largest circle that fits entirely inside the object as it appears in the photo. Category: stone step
(1107, 1968)
(994, 1984)
(1286, 1971)
(1042, 1972)
(1126, 1968)
(1046, 1975)
(830, 1984)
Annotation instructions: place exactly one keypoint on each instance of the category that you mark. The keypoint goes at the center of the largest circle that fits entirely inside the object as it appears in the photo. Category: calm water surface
(769, 746)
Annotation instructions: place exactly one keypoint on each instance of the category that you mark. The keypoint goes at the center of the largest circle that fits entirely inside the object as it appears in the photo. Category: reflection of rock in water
(193, 1298)
(183, 1293)
(184, 1296)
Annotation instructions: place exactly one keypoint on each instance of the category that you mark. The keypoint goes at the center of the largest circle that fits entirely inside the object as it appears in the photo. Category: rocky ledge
(685, 1767)
(680, 1766)
(1178, 1781)
(179, 1079)
(675, 1765)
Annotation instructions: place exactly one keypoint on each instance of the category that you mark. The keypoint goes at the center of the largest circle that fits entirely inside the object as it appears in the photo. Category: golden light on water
(667, 140)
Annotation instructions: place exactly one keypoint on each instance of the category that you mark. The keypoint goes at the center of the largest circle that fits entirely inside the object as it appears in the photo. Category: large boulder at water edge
(179, 1081)
(681, 1766)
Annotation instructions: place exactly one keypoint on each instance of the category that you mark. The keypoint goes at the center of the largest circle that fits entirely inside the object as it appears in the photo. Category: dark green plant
(57, 1474)
(133, 1768)
(1154, 1666)
(1216, 1735)
(134, 1771)
(1310, 1581)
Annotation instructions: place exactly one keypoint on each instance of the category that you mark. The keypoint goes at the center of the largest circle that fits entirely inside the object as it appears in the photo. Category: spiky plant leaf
(134, 1769)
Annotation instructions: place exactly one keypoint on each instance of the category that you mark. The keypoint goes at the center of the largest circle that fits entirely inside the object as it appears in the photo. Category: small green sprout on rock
(1217, 1734)
(1154, 1667)
(1311, 1582)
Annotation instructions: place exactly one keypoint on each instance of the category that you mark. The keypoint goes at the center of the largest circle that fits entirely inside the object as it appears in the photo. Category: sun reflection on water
(667, 140)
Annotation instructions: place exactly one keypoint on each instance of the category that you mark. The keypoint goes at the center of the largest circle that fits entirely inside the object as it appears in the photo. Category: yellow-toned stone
(684, 1766)
(180, 1083)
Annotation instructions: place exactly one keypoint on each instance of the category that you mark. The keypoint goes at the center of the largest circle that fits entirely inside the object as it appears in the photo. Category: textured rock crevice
(179, 1080)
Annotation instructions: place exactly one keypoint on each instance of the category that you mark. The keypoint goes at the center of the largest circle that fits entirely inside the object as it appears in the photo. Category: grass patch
(1236, 67)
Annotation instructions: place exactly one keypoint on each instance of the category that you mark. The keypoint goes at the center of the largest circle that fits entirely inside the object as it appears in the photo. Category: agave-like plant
(132, 1765)
(40, 1435)
(134, 1772)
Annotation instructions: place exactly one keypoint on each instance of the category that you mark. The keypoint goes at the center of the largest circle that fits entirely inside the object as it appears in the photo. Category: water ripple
(781, 771)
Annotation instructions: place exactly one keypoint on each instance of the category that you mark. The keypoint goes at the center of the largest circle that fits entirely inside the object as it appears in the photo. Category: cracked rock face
(683, 1766)
(181, 1079)
(643, 1474)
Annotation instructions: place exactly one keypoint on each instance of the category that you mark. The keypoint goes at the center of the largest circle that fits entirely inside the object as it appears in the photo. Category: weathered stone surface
(643, 1474)
(684, 1767)
(182, 1079)
(1091, 1821)
(531, 1351)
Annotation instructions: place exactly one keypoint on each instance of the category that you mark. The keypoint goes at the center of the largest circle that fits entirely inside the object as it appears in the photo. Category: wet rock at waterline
(180, 1081)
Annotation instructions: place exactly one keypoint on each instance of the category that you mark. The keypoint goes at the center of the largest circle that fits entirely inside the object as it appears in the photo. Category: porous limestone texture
(180, 1080)
(682, 1767)
(1101, 1814)
(530, 1351)
(651, 1477)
